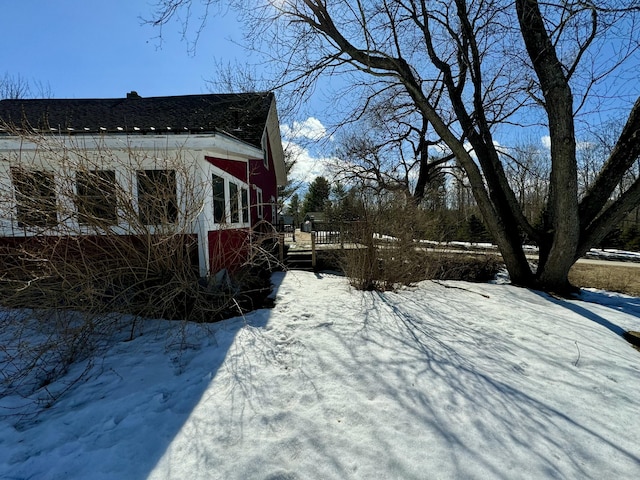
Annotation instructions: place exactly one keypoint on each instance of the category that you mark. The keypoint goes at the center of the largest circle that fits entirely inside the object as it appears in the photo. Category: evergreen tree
(477, 230)
(631, 238)
(294, 208)
(317, 197)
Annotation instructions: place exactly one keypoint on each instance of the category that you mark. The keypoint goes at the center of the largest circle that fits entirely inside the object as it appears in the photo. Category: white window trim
(274, 218)
(259, 203)
(228, 179)
(265, 150)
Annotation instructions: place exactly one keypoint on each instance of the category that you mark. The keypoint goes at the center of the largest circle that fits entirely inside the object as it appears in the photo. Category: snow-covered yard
(442, 380)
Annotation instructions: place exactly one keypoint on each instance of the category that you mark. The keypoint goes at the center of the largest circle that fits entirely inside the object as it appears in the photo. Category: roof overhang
(275, 140)
(211, 144)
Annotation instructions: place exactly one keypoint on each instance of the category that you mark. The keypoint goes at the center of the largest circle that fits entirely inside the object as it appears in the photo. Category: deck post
(313, 249)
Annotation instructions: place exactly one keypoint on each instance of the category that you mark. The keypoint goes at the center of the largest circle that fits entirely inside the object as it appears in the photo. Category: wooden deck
(304, 252)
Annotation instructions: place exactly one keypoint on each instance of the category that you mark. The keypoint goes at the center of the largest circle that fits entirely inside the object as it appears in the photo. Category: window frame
(233, 199)
(259, 203)
(217, 201)
(103, 200)
(244, 202)
(234, 203)
(265, 150)
(166, 208)
(29, 204)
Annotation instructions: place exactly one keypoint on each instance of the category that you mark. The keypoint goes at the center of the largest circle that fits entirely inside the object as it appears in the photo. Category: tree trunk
(562, 230)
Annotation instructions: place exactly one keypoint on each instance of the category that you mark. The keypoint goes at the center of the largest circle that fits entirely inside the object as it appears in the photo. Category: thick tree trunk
(562, 232)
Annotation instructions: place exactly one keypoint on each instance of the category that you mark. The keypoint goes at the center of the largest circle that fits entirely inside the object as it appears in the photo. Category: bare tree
(470, 67)
(389, 148)
(14, 87)
(527, 167)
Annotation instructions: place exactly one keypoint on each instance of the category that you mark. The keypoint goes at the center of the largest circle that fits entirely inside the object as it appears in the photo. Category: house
(207, 166)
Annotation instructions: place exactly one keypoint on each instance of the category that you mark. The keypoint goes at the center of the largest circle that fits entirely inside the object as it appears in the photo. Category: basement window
(35, 198)
(157, 197)
(96, 197)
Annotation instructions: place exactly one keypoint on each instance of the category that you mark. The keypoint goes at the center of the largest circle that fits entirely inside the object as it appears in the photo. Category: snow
(442, 380)
(613, 254)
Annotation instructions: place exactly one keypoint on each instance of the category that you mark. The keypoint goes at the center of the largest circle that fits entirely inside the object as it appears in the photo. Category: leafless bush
(386, 260)
(95, 241)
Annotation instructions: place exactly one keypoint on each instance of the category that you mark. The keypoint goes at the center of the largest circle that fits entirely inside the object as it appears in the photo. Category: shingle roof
(242, 115)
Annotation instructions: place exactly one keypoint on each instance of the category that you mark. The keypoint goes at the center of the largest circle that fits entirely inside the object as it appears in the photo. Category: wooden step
(299, 261)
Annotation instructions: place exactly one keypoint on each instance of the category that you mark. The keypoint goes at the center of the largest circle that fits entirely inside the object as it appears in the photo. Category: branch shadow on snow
(225, 342)
(585, 313)
(142, 402)
(472, 401)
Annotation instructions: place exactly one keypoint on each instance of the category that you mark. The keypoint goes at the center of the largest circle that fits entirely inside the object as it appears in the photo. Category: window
(157, 197)
(219, 200)
(259, 201)
(273, 209)
(245, 205)
(265, 151)
(35, 198)
(96, 197)
(235, 205)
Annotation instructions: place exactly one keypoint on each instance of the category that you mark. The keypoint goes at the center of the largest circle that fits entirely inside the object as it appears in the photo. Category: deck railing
(338, 233)
(287, 231)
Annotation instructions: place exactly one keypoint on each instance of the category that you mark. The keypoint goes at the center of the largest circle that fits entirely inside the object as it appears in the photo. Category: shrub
(398, 259)
(109, 260)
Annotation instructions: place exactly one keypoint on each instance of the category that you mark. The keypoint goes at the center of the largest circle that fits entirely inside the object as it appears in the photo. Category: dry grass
(615, 278)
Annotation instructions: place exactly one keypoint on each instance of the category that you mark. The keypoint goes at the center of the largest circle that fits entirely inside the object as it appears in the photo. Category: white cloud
(308, 166)
(311, 129)
(442, 149)
(546, 141)
(439, 149)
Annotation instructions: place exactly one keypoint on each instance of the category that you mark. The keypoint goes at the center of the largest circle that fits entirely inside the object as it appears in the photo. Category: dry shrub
(383, 261)
(109, 259)
(386, 268)
(64, 304)
(40, 345)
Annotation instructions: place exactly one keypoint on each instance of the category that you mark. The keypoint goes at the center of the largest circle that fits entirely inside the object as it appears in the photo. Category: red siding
(232, 167)
(228, 249)
(101, 249)
(264, 179)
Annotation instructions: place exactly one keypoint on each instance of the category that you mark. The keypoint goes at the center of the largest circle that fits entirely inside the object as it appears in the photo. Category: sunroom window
(219, 200)
(35, 197)
(234, 203)
(245, 205)
(260, 203)
(96, 197)
(157, 197)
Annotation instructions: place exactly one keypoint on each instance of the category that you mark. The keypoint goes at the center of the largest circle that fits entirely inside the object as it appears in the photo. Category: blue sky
(88, 49)
(101, 49)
